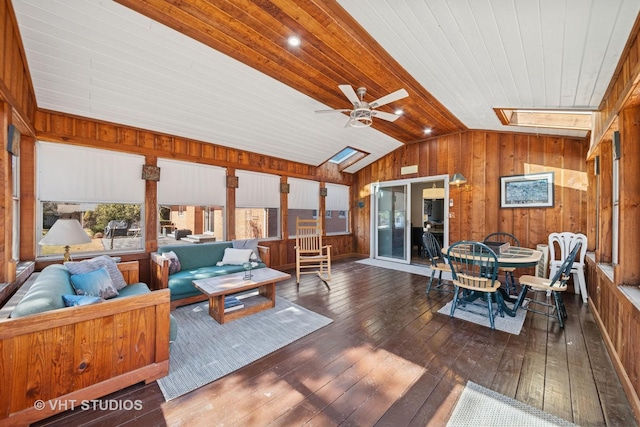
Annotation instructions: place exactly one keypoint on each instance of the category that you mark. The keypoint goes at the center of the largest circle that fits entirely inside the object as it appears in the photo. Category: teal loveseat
(197, 261)
(45, 293)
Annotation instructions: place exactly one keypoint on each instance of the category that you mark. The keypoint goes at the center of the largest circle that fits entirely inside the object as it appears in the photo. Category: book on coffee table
(232, 303)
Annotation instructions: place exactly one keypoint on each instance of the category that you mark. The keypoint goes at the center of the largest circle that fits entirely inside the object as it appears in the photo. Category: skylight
(346, 157)
(343, 155)
(558, 119)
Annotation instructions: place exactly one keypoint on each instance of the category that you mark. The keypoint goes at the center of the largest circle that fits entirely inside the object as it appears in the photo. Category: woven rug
(512, 325)
(479, 406)
(205, 350)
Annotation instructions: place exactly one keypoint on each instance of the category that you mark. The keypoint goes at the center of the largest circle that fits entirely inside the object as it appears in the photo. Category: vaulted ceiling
(222, 71)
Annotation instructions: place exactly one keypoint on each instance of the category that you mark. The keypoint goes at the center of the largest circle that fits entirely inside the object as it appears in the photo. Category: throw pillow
(75, 300)
(96, 283)
(249, 244)
(174, 262)
(88, 265)
(235, 256)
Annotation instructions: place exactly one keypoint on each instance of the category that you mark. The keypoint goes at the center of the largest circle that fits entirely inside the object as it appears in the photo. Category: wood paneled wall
(17, 107)
(610, 285)
(15, 81)
(619, 92)
(483, 157)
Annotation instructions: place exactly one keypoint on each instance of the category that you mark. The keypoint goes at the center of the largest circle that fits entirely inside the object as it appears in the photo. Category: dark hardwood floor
(388, 359)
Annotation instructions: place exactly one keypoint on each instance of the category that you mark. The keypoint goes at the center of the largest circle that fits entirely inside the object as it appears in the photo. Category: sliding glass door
(391, 223)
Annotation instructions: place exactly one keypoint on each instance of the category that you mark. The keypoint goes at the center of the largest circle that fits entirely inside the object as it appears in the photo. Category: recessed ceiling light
(427, 131)
(294, 41)
(398, 112)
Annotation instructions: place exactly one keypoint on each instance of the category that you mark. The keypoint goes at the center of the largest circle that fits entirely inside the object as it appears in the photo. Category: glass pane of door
(391, 223)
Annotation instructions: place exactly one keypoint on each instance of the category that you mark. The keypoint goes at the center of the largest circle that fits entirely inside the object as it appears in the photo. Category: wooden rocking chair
(311, 256)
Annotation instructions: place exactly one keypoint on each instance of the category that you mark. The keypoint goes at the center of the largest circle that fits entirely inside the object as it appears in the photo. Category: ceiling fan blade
(385, 116)
(350, 94)
(344, 110)
(399, 94)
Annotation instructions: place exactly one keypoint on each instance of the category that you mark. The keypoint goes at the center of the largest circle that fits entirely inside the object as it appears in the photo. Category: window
(111, 226)
(337, 209)
(191, 199)
(15, 171)
(615, 214)
(101, 189)
(257, 205)
(304, 200)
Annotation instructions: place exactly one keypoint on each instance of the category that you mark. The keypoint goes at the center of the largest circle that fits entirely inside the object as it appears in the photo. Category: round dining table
(517, 257)
(514, 256)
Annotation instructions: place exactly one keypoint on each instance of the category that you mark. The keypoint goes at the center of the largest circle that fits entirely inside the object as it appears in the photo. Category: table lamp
(65, 232)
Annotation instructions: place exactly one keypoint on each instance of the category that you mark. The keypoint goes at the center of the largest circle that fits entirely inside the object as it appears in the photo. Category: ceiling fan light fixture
(361, 118)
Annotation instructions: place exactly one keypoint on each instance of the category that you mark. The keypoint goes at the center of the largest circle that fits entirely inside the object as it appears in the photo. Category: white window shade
(191, 184)
(303, 194)
(337, 197)
(78, 174)
(257, 190)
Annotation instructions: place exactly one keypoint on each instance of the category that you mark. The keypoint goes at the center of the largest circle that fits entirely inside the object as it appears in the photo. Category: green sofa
(197, 261)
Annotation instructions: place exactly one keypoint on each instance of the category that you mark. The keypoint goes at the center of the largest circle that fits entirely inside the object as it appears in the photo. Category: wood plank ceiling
(336, 51)
(227, 75)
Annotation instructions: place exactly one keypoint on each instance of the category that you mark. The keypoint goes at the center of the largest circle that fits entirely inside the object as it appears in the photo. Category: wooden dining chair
(554, 286)
(473, 266)
(437, 262)
(312, 257)
(509, 278)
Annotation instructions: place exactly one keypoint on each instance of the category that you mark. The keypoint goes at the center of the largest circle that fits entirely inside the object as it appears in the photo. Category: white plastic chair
(564, 242)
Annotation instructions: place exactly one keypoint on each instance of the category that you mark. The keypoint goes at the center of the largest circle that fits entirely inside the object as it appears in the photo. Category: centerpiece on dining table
(498, 247)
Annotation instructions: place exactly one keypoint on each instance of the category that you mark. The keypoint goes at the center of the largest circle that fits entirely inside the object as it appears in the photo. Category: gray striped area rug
(479, 406)
(205, 350)
(512, 325)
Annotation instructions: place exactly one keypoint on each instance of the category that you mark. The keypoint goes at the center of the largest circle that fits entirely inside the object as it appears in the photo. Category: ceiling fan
(363, 112)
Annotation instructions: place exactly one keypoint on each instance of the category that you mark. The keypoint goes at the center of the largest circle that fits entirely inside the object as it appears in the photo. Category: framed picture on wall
(533, 190)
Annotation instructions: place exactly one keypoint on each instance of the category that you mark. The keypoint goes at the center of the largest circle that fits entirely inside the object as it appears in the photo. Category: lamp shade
(433, 193)
(65, 232)
(458, 179)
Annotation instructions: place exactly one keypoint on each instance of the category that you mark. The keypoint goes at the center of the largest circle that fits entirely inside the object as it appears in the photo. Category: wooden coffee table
(217, 288)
